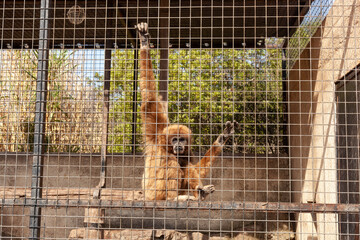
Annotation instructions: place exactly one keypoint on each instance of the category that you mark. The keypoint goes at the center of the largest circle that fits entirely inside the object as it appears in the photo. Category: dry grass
(73, 120)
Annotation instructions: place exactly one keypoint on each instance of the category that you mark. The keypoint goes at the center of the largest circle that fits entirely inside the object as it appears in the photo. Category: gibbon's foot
(144, 36)
(182, 198)
(205, 190)
(228, 131)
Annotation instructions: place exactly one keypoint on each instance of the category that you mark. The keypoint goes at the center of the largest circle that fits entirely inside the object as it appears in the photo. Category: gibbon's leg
(153, 114)
(165, 183)
(169, 180)
(194, 183)
(203, 166)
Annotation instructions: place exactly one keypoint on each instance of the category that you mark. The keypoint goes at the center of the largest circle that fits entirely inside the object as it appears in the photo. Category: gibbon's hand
(228, 131)
(144, 36)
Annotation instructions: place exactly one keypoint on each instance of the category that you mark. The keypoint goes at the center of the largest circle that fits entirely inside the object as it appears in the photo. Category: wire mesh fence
(215, 119)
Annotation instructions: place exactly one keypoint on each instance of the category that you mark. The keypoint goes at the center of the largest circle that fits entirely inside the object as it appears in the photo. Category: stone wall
(239, 178)
(330, 54)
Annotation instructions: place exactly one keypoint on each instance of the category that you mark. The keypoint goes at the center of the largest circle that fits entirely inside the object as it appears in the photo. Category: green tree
(210, 87)
(206, 89)
(121, 102)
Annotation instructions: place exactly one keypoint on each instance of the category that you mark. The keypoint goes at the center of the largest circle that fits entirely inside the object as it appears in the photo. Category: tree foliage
(207, 87)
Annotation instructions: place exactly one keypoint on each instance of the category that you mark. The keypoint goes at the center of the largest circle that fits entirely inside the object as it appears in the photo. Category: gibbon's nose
(178, 149)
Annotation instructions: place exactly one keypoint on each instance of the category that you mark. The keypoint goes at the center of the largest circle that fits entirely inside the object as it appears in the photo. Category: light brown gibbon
(169, 174)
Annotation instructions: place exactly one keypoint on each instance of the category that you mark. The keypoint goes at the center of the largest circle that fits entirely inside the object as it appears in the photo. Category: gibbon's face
(179, 145)
(177, 139)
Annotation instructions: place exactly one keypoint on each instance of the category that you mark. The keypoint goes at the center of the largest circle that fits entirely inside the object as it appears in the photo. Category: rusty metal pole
(164, 50)
(105, 117)
(134, 113)
(106, 105)
(40, 119)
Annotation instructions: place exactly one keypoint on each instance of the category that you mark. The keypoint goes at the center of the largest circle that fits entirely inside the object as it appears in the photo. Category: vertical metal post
(284, 77)
(40, 118)
(105, 124)
(106, 99)
(134, 99)
(164, 49)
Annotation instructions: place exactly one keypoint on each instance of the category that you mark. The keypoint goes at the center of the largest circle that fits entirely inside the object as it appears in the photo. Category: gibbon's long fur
(168, 173)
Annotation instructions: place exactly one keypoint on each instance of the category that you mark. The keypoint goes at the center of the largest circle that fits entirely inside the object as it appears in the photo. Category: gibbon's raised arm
(153, 112)
(204, 164)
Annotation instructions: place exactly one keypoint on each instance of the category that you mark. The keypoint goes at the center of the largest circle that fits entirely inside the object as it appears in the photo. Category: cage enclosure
(77, 129)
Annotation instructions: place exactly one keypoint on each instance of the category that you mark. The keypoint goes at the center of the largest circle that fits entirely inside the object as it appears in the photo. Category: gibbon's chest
(156, 157)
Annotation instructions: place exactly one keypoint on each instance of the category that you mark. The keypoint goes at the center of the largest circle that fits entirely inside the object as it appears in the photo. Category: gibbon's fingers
(228, 124)
(142, 27)
(144, 36)
(235, 125)
(137, 27)
(228, 127)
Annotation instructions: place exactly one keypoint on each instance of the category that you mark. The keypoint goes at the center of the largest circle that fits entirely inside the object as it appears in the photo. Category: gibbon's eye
(181, 139)
(174, 140)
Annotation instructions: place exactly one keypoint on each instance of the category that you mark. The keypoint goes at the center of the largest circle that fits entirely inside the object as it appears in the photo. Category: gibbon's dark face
(179, 145)
(177, 139)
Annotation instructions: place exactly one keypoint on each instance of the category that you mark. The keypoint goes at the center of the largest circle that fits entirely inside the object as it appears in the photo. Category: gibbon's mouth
(178, 150)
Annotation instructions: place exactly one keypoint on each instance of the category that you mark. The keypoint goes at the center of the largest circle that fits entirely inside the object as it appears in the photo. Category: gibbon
(169, 174)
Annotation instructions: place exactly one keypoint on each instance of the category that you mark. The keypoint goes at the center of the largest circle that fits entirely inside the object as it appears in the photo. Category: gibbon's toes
(205, 191)
(182, 198)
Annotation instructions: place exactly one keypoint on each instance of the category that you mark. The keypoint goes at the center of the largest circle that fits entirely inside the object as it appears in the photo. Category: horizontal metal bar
(191, 205)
